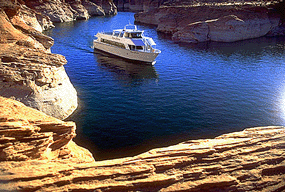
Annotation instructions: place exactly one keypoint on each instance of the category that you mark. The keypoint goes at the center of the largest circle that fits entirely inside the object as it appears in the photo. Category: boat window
(139, 47)
(136, 35)
(114, 43)
(133, 35)
(116, 33)
(134, 48)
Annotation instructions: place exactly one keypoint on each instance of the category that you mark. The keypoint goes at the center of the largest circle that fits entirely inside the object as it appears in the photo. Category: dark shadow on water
(143, 144)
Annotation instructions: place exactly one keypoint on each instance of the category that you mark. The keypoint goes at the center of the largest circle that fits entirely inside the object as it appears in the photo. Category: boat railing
(132, 27)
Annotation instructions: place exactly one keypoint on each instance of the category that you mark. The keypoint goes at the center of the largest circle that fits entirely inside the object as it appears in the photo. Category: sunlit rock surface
(28, 71)
(70, 10)
(216, 21)
(27, 134)
(37, 154)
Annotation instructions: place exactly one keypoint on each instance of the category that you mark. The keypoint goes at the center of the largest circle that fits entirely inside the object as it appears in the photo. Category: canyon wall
(216, 21)
(37, 154)
(138, 5)
(70, 10)
(28, 71)
(147, 5)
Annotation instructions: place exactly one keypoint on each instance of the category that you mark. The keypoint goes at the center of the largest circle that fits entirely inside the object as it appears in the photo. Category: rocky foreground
(217, 20)
(37, 154)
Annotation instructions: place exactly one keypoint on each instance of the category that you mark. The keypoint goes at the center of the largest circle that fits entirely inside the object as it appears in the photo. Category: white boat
(129, 43)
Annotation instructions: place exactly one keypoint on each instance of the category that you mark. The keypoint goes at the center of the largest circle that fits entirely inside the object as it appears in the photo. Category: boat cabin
(128, 38)
(128, 34)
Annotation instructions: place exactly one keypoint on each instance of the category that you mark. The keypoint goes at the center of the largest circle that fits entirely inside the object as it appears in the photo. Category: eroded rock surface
(28, 71)
(70, 10)
(216, 21)
(27, 134)
(37, 154)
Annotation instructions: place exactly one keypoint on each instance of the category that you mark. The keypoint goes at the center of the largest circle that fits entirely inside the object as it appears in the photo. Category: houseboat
(129, 43)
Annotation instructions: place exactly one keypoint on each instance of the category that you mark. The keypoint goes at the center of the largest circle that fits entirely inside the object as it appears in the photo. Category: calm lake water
(193, 91)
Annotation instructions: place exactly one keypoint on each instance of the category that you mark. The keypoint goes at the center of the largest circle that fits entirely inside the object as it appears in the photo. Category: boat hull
(146, 57)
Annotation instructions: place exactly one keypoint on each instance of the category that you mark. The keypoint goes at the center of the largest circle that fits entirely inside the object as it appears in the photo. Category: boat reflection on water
(127, 72)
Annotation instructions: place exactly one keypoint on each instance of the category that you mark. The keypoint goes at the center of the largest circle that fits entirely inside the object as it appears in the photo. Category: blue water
(193, 91)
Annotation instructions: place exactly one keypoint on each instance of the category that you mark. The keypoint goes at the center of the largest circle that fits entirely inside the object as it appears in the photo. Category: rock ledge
(37, 154)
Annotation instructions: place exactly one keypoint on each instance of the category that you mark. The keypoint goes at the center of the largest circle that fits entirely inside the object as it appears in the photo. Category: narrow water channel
(193, 91)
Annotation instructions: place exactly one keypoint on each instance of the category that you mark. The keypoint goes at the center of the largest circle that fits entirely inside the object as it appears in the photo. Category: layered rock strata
(70, 10)
(28, 71)
(216, 22)
(28, 134)
(37, 154)
(147, 5)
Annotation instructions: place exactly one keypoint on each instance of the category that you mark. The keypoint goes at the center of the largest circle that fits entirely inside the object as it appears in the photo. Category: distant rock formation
(37, 154)
(28, 71)
(216, 21)
(70, 10)
(138, 5)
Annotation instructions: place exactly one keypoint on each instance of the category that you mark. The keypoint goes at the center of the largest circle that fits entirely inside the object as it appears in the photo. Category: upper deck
(127, 32)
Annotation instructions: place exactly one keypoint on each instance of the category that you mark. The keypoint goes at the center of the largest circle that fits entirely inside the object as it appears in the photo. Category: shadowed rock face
(28, 71)
(37, 154)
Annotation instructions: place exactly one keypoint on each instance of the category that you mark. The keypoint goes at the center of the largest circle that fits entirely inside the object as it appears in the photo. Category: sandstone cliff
(147, 5)
(70, 10)
(37, 154)
(216, 21)
(140, 5)
(28, 71)
(28, 134)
